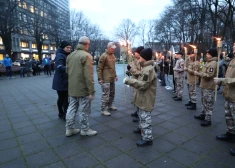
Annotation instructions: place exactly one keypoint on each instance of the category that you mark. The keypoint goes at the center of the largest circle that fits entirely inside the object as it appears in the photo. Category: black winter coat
(60, 80)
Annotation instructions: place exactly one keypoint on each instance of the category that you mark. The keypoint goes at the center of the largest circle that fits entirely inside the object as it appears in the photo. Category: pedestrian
(28, 67)
(38, 69)
(228, 92)
(60, 79)
(52, 66)
(46, 64)
(207, 86)
(145, 96)
(107, 77)
(34, 66)
(164, 68)
(79, 66)
(193, 65)
(22, 67)
(7, 62)
(135, 70)
(179, 76)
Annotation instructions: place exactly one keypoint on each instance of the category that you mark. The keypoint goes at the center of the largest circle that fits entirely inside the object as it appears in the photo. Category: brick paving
(31, 135)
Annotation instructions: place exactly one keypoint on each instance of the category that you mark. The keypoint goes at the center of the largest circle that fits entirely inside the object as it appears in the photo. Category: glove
(196, 73)
(216, 80)
(124, 80)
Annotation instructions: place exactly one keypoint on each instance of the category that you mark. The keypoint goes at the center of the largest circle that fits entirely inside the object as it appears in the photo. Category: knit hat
(146, 54)
(180, 53)
(139, 49)
(64, 44)
(213, 52)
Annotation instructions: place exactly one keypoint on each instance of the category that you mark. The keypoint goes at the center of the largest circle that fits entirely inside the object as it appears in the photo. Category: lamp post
(219, 48)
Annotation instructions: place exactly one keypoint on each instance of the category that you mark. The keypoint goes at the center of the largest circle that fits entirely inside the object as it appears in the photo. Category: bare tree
(142, 30)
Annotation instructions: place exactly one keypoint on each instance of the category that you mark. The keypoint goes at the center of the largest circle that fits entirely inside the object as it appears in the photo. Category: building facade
(39, 22)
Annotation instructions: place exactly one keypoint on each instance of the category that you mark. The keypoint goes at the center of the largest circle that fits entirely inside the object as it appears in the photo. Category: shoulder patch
(211, 70)
(145, 78)
(101, 61)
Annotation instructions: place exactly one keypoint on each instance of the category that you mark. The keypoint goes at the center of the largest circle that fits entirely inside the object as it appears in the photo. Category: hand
(124, 80)
(196, 73)
(186, 69)
(116, 79)
(216, 80)
(100, 82)
(91, 97)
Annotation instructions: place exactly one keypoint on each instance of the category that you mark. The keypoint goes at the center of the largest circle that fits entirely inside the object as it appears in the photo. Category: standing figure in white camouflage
(145, 96)
(79, 66)
(193, 65)
(107, 77)
(179, 76)
(208, 87)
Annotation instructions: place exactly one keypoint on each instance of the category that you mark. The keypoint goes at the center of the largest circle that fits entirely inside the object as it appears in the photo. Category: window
(20, 16)
(32, 20)
(24, 5)
(34, 45)
(24, 44)
(24, 18)
(41, 13)
(1, 56)
(32, 9)
(1, 42)
(45, 14)
(25, 31)
(52, 47)
(45, 47)
(19, 4)
(36, 10)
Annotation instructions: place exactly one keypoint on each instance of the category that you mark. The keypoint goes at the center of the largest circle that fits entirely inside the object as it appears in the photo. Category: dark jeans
(47, 69)
(22, 71)
(62, 102)
(8, 71)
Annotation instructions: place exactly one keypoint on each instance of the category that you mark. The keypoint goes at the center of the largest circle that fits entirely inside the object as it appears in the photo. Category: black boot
(174, 97)
(200, 117)
(226, 137)
(232, 151)
(205, 123)
(134, 114)
(144, 143)
(137, 131)
(188, 104)
(192, 107)
(136, 119)
(178, 99)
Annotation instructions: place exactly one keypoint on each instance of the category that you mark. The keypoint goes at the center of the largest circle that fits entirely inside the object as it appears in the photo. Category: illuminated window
(45, 47)
(36, 56)
(32, 9)
(1, 56)
(24, 5)
(1, 42)
(19, 4)
(34, 46)
(52, 47)
(42, 13)
(24, 44)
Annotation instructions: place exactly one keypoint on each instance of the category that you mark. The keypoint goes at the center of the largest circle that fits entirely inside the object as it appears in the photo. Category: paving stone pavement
(31, 135)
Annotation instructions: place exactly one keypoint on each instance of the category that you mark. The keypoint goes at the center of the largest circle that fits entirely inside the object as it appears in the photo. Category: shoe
(71, 132)
(226, 137)
(89, 132)
(174, 97)
(112, 108)
(192, 107)
(188, 104)
(106, 113)
(178, 99)
(205, 123)
(232, 151)
(200, 117)
(136, 119)
(134, 114)
(144, 143)
(137, 131)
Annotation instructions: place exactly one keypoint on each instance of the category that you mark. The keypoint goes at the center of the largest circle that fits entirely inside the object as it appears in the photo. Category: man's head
(211, 53)
(146, 55)
(179, 54)
(111, 47)
(137, 51)
(7, 55)
(84, 40)
(66, 46)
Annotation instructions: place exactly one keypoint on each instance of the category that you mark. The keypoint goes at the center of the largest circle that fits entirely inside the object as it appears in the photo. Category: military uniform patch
(101, 61)
(211, 70)
(145, 78)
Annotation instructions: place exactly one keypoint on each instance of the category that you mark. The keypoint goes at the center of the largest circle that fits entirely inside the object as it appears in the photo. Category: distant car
(16, 63)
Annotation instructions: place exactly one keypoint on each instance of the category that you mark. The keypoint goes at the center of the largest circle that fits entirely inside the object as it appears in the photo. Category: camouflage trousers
(179, 82)
(230, 116)
(145, 125)
(108, 93)
(83, 104)
(208, 99)
(192, 93)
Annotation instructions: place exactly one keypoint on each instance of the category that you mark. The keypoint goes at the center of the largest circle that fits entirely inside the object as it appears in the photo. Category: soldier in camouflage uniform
(193, 65)
(107, 77)
(79, 67)
(228, 92)
(179, 76)
(208, 86)
(135, 72)
(145, 96)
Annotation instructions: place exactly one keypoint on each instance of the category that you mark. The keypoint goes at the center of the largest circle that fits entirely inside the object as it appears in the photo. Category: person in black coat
(60, 80)
(164, 68)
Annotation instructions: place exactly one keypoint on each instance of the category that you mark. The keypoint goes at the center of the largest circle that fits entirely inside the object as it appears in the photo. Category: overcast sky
(108, 14)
